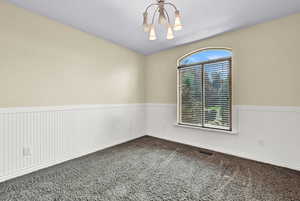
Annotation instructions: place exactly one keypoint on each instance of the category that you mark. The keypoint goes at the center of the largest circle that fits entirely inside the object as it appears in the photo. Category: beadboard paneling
(37, 137)
(268, 134)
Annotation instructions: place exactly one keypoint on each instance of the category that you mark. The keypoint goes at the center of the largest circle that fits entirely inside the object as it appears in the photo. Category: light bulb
(177, 25)
(152, 34)
(145, 22)
(170, 34)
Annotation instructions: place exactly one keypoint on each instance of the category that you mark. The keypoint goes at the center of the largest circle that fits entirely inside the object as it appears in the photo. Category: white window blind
(205, 94)
(191, 95)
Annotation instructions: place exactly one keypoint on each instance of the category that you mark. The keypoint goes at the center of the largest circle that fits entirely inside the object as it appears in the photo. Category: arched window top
(205, 55)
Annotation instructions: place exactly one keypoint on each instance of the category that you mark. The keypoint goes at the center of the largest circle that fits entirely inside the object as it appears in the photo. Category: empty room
(149, 100)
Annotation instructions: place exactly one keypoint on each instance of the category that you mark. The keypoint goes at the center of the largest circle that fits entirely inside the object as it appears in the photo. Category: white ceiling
(120, 21)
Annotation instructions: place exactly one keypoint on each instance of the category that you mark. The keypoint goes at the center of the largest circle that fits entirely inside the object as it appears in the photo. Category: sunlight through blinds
(205, 94)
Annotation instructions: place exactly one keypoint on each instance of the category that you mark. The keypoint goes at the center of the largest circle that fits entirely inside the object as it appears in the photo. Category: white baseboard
(38, 167)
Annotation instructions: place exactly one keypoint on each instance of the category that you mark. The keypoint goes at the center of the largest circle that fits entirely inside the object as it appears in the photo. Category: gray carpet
(153, 169)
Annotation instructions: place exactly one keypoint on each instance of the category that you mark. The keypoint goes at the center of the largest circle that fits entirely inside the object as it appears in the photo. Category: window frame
(231, 118)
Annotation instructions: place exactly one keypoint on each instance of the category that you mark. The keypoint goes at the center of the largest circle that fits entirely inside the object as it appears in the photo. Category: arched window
(204, 89)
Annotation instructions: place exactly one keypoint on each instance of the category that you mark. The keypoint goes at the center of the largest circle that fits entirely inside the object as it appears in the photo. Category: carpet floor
(150, 169)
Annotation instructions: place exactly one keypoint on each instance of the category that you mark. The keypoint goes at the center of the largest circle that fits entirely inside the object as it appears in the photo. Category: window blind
(205, 94)
(191, 95)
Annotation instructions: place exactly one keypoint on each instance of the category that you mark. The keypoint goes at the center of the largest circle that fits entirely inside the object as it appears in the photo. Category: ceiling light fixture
(163, 18)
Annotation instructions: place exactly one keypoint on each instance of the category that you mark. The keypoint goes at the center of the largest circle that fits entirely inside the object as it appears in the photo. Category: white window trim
(233, 132)
(234, 111)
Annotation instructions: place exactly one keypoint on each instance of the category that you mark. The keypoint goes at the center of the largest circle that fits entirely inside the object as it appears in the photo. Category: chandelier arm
(167, 14)
(153, 18)
(171, 5)
(154, 4)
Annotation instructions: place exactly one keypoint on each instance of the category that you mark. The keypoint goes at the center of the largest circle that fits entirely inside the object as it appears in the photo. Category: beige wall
(266, 65)
(46, 63)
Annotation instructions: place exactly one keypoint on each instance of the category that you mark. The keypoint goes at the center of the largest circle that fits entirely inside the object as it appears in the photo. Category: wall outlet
(26, 151)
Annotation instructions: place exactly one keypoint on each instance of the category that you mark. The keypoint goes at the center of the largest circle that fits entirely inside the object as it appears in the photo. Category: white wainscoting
(266, 134)
(38, 137)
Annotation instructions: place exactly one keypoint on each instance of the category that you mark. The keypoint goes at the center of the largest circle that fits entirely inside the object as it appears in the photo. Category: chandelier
(163, 18)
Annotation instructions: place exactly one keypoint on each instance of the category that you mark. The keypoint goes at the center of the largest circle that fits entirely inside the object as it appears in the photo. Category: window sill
(233, 132)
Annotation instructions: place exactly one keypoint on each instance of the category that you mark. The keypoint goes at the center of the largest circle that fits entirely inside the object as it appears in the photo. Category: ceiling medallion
(163, 18)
